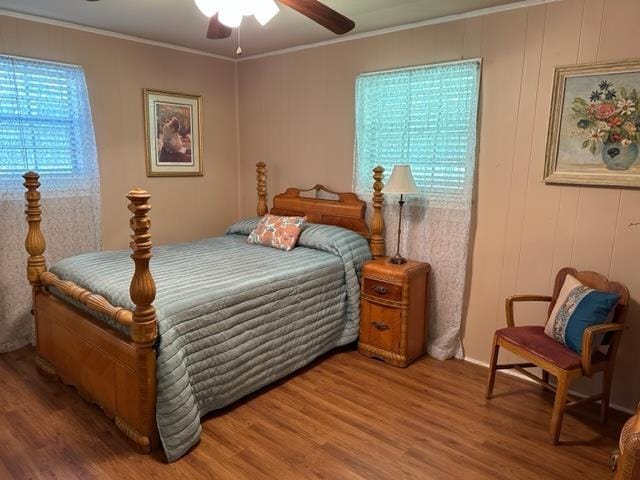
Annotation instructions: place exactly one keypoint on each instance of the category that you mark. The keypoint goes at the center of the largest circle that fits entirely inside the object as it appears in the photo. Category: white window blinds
(424, 117)
(45, 123)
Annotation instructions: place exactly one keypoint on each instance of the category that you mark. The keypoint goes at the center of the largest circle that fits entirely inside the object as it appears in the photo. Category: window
(425, 117)
(45, 123)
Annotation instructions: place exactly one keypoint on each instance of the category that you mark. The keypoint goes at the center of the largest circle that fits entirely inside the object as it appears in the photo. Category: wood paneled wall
(296, 114)
(117, 70)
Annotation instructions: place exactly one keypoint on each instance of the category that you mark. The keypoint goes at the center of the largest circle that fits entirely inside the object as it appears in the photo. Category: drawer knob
(380, 326)
(380, 289)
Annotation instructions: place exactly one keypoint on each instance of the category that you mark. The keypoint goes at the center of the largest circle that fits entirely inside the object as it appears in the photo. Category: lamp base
(398, 259)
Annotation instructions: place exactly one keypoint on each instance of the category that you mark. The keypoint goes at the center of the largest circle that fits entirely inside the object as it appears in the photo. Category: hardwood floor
(345, 417)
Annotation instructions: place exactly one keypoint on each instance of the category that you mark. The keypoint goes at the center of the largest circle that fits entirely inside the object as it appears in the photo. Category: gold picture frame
(173, 133)
(594, 127)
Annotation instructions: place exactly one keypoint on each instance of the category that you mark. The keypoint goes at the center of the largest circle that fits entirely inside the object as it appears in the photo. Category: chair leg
(559, 405)
(606, 392)
(492, 367)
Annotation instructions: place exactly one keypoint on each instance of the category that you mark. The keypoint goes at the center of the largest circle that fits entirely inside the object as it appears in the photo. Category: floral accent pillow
(277, 232)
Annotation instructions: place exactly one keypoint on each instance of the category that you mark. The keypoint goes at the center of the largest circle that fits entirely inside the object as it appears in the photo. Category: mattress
(234, 317)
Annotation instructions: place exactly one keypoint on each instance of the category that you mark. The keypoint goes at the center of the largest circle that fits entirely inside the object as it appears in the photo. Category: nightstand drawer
(383, 290)
(381, 326)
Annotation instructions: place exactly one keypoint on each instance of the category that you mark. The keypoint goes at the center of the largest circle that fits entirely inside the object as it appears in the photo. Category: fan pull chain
(239, 49)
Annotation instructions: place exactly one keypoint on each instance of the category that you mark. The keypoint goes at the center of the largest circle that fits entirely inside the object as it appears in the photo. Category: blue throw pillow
(577, 308)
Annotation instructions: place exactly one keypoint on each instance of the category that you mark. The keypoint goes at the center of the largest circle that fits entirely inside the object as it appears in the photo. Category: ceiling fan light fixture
(208, 7)
(246, 7)
(230, 15)
(265, 10)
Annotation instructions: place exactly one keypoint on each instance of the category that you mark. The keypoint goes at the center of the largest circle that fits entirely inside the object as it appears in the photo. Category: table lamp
(402, 182)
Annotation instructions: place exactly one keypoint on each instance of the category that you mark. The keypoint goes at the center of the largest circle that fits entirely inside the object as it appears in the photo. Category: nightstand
(393, 311)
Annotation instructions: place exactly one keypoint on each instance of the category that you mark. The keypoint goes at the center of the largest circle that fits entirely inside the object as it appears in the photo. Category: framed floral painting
(173, 134)
(594, 130)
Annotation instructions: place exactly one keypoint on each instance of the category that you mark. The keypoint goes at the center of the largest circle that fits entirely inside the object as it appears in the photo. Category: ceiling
(180, 23)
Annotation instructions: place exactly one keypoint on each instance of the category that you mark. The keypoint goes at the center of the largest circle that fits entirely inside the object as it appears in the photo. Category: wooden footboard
(103, 365)
(107, 368)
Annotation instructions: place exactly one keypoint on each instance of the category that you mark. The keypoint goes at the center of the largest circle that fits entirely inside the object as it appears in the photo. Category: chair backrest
(597, 282)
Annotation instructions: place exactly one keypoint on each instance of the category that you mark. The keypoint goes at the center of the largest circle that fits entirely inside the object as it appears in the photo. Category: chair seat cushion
(534, 340)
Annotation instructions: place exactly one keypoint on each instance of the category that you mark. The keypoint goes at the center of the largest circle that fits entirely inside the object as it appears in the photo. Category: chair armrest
(522, 298)
(589, 336)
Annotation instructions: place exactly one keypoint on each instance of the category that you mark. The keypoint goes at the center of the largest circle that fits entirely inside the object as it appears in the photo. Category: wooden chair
(531, 343)
(627, 462)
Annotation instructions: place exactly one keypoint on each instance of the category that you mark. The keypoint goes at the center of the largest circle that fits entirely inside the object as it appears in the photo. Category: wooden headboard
(342, 209)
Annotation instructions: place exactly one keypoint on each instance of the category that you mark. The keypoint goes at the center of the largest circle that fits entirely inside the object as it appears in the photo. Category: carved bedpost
(377, 241)
(144, 329)
(34, 243)
(143, 289)
(261, 169)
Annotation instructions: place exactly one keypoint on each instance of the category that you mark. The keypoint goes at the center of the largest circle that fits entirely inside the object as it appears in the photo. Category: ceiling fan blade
(217, 30)
(320, 13)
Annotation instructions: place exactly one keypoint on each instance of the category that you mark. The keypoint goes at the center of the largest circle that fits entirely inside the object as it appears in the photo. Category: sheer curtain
(45, 126)
(426, 117)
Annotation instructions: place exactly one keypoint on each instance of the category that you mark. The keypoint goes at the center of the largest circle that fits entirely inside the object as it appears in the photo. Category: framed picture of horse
(172, 133)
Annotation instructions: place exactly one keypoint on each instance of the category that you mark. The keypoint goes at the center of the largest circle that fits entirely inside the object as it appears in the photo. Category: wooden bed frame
(118, 372)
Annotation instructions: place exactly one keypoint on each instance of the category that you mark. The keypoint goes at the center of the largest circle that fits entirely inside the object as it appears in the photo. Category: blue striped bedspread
(234, 317)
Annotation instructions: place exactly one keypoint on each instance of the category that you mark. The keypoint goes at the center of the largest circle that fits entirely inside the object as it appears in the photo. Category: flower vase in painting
(609, 120)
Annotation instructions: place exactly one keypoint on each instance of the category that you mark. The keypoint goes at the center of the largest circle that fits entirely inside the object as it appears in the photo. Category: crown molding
(109, 33)
(410, 26)
(374, 33)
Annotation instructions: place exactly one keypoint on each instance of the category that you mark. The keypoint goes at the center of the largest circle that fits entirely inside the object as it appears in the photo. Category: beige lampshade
(401, 181)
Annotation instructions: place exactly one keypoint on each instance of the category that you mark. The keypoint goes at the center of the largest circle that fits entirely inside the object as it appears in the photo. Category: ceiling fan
(227, 14)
